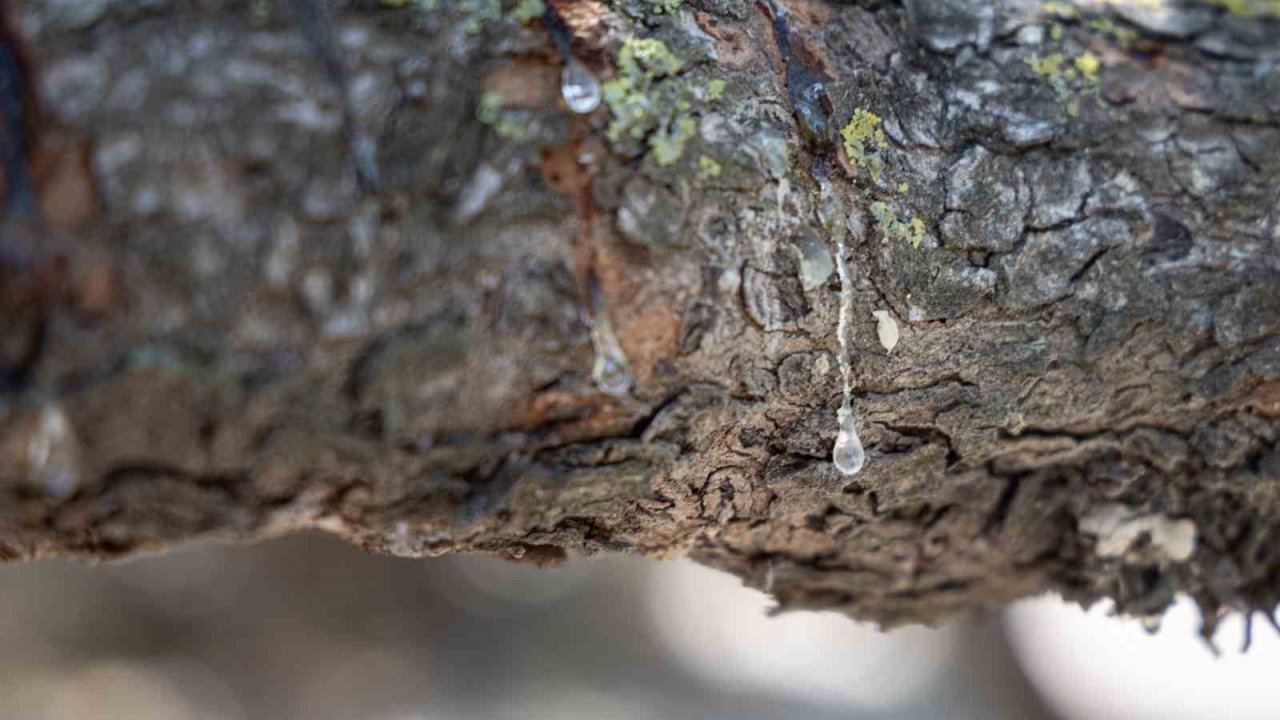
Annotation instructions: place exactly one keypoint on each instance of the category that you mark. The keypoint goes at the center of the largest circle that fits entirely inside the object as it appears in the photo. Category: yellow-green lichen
(259, 13)
(1124, 36)
(1070, 78)
(1047, 66)
(894, 229)
(644, 67)
(1074, 76)
(476, 14)
(1060, 9)
(665, 6)
(1249, 8)
(715, 89)
(863, 139)
(506, 124)
(708, 167)
(1099, 23)
(1087, 65)
(490, 108)
(526, 10)
(652, 99)
(648, 56)
(668, 141)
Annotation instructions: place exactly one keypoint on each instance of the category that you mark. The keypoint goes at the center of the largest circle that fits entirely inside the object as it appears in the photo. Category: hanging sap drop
(53, 453)
(848, 454)
(815, 260)
(611, 372)
(580, 88)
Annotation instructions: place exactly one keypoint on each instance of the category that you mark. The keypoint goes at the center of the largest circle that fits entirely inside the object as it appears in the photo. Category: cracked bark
(223, 324)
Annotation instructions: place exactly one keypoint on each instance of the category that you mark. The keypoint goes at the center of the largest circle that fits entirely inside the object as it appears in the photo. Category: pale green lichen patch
(641, 8)
(894, 229)
(715, 89)
(708, 167)
(636, 96)
(1047, 66)
(1087, 65)
(1099, 23)
(476, 14)
(1074, 74)
(665, 6)
(649, 57)
(259, 13)
(526, 10)
(1250, 8)
(1121, 35)
(1072, 78)
(507, 123)
(668, 141)
(1060, 9)
(863, 139)
(653, 99)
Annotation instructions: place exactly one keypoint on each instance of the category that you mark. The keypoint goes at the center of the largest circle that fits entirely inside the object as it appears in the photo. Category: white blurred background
(309, 628)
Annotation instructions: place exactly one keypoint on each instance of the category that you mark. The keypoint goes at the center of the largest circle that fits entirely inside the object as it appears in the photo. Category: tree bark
(295, 267)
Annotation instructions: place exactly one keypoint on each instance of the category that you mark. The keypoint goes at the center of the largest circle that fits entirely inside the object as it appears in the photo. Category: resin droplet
(53, 453)
(848, 454)
(815, 260)
(580, 88)
(611, 372)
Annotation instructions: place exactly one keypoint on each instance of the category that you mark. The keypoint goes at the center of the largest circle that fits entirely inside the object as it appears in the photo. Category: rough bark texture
(233, 318)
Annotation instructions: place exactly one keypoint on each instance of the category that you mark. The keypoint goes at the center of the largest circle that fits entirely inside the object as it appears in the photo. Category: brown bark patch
(649, 339)
(526, 84)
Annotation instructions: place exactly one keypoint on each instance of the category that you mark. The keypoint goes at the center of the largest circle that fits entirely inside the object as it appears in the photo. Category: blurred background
(308, 627)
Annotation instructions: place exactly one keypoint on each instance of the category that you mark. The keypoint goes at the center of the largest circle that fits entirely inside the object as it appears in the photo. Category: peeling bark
(295, 268)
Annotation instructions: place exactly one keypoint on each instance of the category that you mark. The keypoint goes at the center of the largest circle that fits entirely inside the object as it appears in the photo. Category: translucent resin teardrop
(580, 88)
(53, 453)
(815, 260)
(848, 454)
(611, 372)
